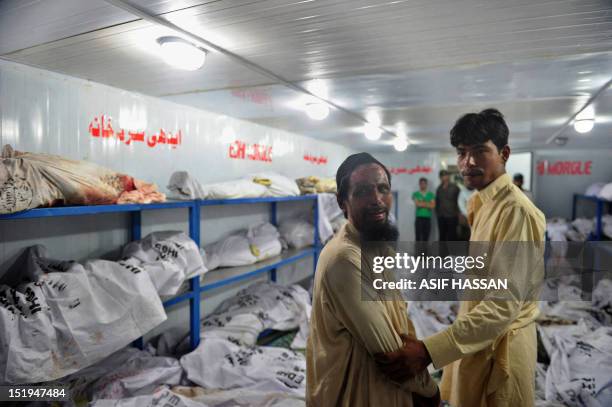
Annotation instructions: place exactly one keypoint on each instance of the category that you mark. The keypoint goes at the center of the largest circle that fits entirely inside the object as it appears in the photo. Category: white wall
(554, 193)
(406, 184)
(45, 112)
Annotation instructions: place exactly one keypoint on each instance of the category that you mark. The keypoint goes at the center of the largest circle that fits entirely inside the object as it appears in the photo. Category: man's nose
(469, 160)
(377, 198)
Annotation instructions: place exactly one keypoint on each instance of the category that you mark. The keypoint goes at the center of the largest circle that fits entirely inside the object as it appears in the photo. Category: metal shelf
(241, 201)
(226, 276)
(223, 276)
(93, 210)
(599, 202)
(216, 278)
(212, 280)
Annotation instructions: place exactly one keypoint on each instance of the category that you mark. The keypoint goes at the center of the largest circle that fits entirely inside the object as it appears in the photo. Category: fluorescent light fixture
(317, 110)
(181, 54)
(400, 130)
(318, 87)
(373, 117)
(584, 125)
(372, 131)
(400, 144)
(588, 113)
(585, 120)
(401, 141)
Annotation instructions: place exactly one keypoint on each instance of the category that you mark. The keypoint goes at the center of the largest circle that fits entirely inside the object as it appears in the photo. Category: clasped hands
(408, 361)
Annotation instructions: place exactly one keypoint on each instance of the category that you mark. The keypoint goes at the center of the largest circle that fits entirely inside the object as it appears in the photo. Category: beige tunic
(346, 331)
(490, 350)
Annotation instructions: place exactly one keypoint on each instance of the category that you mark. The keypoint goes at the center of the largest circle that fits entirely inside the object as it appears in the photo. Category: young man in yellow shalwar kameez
(489, 352)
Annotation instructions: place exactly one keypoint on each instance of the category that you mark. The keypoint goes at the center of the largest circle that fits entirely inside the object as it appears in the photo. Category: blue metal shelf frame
(396, 206)
(195, 295)
(135, 212)
(93, 210)
(270, 267)
(194, 207)
(598, 235)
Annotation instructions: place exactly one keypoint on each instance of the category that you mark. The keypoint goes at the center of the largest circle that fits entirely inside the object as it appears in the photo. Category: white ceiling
(422, 62)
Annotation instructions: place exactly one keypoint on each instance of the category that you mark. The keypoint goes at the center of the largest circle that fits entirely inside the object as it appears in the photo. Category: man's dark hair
(442, 173)
(422, 179)
(343, 175)
(478, 128)
(518, 177)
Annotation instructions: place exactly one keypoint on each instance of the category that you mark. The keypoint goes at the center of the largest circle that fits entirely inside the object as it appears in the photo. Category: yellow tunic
(490, 350)
(346, 331)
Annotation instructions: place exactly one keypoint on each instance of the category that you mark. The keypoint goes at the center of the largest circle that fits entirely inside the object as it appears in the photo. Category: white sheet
(329, 213)
(261, 306)
(72, 316)
(169, 258)
(184, 186)
(606, 192)
(220, 364)
(580, 372)
(297, 233)
(429, 317)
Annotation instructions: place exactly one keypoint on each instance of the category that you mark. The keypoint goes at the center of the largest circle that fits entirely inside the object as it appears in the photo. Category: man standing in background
(447, 210)
(424, 201)
(464, 226)
(518, 180)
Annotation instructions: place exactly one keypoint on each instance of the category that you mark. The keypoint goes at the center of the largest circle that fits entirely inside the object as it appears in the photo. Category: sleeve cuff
(442, 348)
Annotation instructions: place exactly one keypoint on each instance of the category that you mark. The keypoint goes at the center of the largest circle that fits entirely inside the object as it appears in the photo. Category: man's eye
(384, 189)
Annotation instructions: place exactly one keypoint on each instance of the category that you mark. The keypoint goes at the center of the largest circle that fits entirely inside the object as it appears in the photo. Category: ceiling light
(373, 117)
(317, 110)
(588, 113)
(400, 144)
(372, 131)
(181, 54)
(318, 88)
(400, 130)
(584, 126)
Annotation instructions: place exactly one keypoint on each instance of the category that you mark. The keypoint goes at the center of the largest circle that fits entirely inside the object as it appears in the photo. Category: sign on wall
(102, 127)
(314, 159)
(414, 170)
(544, 167)
(242, 150)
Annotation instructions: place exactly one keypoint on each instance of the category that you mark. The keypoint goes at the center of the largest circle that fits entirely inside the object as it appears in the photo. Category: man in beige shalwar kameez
(489, 352)
(346, 331)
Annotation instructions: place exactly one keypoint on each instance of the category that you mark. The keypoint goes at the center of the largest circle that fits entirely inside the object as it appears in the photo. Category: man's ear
(505, 152)
(341, 205)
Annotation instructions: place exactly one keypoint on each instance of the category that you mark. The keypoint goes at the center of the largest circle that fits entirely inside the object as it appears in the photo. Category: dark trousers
(447, 227)
(422, 227)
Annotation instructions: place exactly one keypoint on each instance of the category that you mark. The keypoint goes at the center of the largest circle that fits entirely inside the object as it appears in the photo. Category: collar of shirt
(351, 232)
(479, 198)
(494, 187)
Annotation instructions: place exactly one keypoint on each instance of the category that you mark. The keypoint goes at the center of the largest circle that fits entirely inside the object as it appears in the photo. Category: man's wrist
(426, 354)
